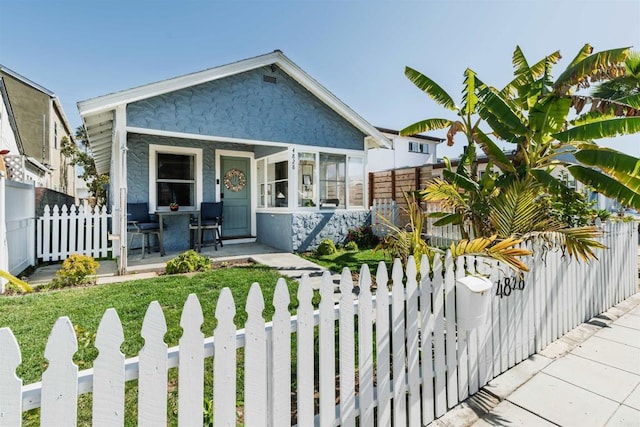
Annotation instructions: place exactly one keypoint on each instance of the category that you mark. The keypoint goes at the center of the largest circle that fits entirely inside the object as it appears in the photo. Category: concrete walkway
(589, 377)
(288, 264)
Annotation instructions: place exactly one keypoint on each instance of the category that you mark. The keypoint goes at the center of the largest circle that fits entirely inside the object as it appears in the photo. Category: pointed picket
(326, 332)
(439, 345)
(383, 347)
(255, 360)
(152, 360)
(347, 351)
(108, 372)
(55, 233)
(280, 394)
(305, 335)
(365, 348)
(450, 311)
(60, 379)
(46, 234)
(413, 353)
(10, 384)
(64, 234)
(73, 227)
(191, 364)
(104, 232)
(427, 323)
(224, 362)
(463, 343)
(397, 345)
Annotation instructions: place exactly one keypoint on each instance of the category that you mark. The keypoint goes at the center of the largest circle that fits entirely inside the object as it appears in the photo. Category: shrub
(76, 270)
(363, 236)
(188, 262)
(351, 246)
(326, 247)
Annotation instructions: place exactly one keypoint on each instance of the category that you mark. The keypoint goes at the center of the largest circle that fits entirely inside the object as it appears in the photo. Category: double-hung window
(175, 174)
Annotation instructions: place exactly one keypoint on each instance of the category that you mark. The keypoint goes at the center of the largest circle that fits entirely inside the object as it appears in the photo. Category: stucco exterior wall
(303, 231)
(176, 234)
(244, 106)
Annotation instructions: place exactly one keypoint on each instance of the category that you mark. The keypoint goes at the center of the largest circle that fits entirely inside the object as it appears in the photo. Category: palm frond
(604, 184)
(492, 151)
(469, 97)
(14, 280)
(579, 242)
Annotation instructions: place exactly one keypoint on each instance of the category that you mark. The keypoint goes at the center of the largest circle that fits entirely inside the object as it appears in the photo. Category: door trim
(252, 169)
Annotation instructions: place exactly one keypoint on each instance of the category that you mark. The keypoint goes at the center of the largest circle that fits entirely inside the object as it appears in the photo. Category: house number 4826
(509, 284)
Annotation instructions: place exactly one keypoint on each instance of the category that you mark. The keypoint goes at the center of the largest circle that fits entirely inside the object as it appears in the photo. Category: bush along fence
(74, 229)
(411, 359)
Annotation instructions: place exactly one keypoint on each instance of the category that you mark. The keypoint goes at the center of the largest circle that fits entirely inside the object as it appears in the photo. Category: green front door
(235, 192)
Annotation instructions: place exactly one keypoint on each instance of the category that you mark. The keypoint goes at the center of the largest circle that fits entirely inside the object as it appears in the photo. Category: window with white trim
(175, 175)
(333, 182)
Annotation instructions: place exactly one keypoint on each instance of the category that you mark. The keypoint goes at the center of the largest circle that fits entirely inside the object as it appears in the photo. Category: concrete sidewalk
(589, 377)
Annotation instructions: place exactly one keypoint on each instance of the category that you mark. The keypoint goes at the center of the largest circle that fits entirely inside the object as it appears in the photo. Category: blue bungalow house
(287, 158)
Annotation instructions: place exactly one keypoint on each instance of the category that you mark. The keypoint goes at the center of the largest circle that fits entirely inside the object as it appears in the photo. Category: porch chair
(139, 222)
(211, 220)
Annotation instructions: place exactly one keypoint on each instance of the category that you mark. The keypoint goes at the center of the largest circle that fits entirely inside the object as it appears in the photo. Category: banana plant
(544, 120)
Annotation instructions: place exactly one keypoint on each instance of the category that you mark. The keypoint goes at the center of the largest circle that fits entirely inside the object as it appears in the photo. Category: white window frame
(154, 149)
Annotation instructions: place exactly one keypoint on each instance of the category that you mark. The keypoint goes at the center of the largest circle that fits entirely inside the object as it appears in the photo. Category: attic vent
(269, 79)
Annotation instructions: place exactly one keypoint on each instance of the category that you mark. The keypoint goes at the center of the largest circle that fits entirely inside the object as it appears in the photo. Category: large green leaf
(492, 105)
(460, 180)
(469, 97)
(625, 168)
(449, 218)
(602, 129)
(493, 151)
(431, 88)
(550, 182)
(631, 100)
(583, 54)
(594, 67)
(536, 71)
(549, 115)
(606, 185)
(425, 126)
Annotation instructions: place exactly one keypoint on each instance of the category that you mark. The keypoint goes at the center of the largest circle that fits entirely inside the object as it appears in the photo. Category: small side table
(162, 214)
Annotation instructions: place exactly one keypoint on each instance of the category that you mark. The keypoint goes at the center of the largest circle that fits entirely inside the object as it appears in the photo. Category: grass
(31, 317)
(352, 259)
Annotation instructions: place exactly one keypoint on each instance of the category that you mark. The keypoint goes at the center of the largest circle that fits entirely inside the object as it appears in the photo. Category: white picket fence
(74, 229)
(386, 211)
(413, 363)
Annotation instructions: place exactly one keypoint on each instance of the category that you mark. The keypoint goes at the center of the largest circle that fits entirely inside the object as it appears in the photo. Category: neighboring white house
(406, 151)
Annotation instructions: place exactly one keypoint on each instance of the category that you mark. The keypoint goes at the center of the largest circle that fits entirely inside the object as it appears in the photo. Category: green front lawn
(32, 317)
(352, 259)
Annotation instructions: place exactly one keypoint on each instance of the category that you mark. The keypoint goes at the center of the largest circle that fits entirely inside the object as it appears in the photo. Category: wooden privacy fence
(410, 361)
(387, 211)
(76, 229)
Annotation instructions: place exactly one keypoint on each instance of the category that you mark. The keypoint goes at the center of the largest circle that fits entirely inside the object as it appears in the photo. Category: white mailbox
(474, 301)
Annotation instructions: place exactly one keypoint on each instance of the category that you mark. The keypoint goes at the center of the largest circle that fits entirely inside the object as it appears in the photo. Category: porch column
(121, 196)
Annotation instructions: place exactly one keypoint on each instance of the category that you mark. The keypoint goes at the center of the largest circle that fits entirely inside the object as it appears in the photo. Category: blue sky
(357, 49)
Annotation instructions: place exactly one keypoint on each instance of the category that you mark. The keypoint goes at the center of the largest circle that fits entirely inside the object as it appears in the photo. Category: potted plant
(174, 206)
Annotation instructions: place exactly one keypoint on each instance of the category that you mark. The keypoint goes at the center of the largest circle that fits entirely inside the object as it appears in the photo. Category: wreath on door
(235, 180)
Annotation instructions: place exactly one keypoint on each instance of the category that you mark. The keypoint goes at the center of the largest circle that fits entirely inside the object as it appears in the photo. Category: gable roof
(26, 81)
(98, 113)
(10, 116)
